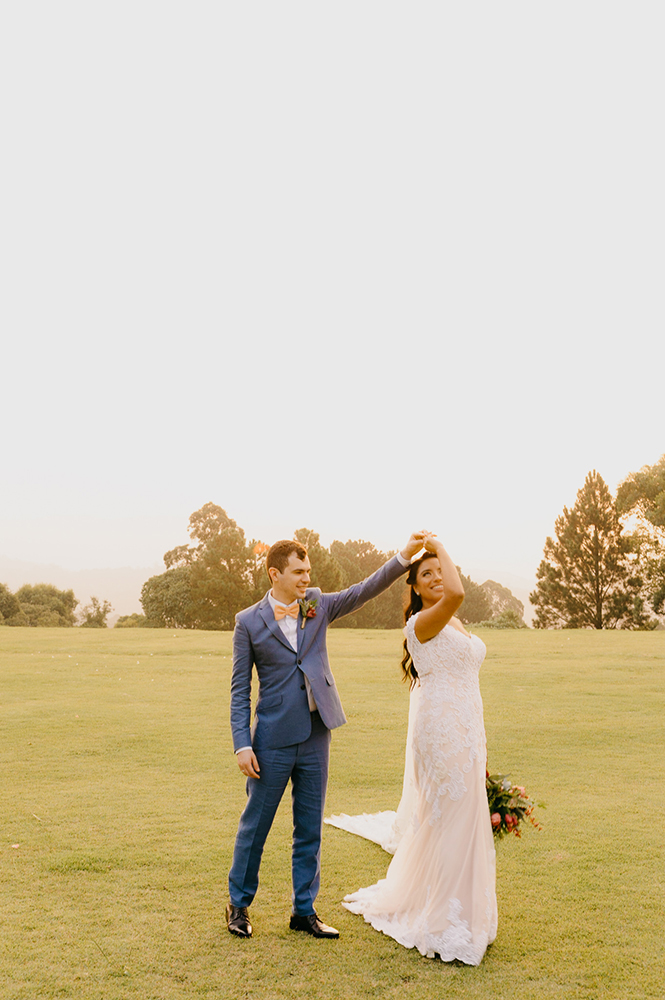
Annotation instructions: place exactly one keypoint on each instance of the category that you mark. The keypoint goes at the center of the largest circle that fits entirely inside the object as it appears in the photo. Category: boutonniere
(307, 610)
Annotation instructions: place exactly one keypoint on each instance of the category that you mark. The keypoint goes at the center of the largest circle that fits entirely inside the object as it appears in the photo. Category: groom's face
(292, 584)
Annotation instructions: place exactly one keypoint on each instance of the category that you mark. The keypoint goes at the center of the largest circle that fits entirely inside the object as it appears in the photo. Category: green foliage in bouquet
(509, 805)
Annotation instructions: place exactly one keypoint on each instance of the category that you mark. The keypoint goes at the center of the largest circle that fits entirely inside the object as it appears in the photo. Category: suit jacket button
(299, 662)
(302, 687)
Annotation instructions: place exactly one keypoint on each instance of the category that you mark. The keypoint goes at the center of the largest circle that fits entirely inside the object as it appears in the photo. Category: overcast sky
(356, 266)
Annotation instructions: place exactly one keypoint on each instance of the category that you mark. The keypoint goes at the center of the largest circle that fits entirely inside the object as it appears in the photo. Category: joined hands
(420, 540)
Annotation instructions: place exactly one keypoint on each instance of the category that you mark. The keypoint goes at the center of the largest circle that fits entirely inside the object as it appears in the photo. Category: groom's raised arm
(349, 600)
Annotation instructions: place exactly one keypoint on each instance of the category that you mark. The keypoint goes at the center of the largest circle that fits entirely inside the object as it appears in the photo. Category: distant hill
(519, 586)
(121, 586)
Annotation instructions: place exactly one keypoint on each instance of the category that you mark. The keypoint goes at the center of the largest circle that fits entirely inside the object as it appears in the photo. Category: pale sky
(361, 266)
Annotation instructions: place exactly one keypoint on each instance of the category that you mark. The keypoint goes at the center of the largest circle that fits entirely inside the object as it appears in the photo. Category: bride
(439, 892)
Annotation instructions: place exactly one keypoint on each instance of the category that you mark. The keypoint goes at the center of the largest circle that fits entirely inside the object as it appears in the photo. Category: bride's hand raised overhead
(436, 582)
(414, 544)
(430, 541)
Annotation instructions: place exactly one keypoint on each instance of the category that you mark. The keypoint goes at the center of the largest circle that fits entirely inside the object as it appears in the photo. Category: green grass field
(120, 798)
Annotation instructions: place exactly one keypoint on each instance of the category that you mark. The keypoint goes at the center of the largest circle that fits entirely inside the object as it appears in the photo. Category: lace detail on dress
(456, 942)
(450, 734)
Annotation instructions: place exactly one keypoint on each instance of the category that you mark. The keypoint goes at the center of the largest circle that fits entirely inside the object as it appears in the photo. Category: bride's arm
(430, 621)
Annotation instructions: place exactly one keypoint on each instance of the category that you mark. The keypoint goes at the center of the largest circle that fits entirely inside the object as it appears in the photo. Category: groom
(284, 637)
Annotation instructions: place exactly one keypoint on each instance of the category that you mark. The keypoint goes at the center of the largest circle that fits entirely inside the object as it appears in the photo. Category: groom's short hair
(280, 552)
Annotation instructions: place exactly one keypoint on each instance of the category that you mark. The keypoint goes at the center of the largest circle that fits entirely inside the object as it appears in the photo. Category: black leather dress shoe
(312, 925)
(237, 921)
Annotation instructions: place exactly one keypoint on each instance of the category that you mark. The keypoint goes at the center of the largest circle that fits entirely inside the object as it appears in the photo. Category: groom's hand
(414, 544)
(248, 763)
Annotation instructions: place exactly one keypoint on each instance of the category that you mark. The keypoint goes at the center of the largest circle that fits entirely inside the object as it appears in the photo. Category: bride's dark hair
(412, 604)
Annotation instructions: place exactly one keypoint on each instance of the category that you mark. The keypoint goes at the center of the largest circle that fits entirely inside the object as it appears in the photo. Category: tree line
(43, 605)
(595, 574)
(207, 582)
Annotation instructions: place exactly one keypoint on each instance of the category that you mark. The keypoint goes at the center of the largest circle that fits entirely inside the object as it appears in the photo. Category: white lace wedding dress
(439, 893)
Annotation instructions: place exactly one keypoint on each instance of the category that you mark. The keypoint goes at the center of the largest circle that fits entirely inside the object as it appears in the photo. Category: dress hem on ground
(456, 943)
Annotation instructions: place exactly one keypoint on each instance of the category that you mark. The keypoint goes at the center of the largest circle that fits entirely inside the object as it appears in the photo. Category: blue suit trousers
(306, 765)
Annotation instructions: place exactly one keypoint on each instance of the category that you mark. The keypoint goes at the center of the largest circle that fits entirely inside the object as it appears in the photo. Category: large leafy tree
(222, 568)
(44, 605)
(588, 577)
(167, 600)
(651, 548)
(357, 560)
(208, 582)
(326, 571)
(642, 494)
(9, 606)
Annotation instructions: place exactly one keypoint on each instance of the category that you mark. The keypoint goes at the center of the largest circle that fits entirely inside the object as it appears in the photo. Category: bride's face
(429, 583)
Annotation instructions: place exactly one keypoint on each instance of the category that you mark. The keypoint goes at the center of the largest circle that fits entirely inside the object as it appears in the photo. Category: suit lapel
(268, 616)
(301, 631)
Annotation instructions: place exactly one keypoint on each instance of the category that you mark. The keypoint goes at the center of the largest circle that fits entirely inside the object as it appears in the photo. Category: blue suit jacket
(282, 710)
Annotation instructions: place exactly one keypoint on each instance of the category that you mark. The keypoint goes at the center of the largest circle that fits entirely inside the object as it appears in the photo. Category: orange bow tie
(282, 612)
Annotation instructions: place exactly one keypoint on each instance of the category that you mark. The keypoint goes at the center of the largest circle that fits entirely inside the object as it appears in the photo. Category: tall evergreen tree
(588, 577)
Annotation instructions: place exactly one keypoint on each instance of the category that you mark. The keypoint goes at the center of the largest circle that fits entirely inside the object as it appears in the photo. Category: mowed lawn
(120, 798)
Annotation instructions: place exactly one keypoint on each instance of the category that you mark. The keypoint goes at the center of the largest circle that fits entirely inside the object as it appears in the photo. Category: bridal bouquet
(509, 805)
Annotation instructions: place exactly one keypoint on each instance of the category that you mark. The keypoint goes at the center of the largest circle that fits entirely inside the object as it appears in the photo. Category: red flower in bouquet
(509, 806)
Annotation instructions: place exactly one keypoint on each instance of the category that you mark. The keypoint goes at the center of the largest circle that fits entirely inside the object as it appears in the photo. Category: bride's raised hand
(430, 541)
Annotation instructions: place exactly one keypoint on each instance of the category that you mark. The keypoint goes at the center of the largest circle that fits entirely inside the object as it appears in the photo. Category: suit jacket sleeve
(241, 686)
(338, 605)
